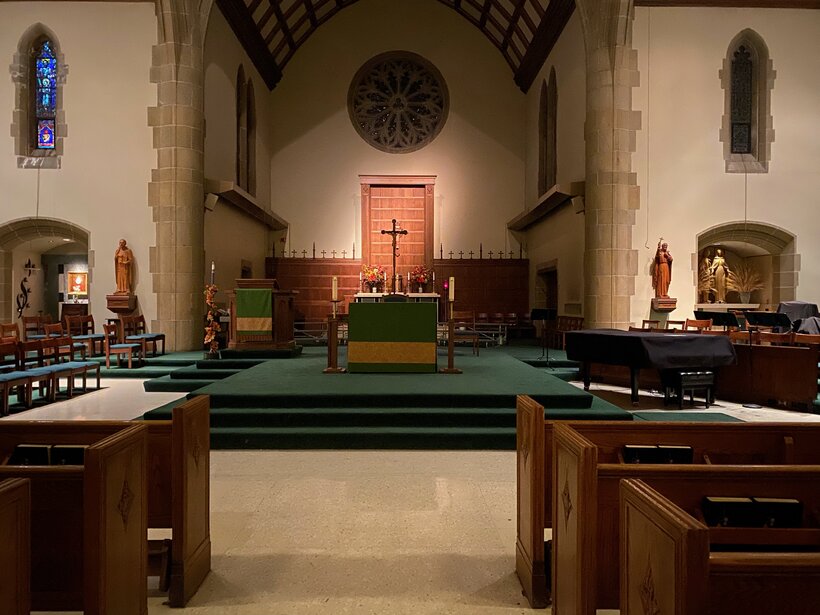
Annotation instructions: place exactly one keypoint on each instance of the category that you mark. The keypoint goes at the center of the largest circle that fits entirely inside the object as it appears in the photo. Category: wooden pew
(88, 527)
(585, 513)
(178, 480)
(15, 554)
(761, 443)
(668, 565)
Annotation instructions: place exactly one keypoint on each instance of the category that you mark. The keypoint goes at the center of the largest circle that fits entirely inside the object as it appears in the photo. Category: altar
(392, 337)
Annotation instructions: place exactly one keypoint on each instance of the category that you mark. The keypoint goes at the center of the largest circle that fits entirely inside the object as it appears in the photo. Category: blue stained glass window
(45, 134)
(45, 95)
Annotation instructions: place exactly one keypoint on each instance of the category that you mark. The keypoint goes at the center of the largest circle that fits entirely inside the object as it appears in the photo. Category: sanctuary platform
(291, 404)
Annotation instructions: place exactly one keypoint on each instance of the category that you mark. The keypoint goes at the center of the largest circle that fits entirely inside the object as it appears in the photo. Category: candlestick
(334, 294)
(213, 270)
(452, 290)
(434, 275)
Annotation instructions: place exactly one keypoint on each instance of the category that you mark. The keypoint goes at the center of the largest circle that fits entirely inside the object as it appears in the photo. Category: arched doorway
(33, 254)
(752, 248)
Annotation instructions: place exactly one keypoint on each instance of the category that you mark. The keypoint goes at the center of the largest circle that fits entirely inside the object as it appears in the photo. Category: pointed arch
(38, 72)
(547, 134)
(251, 132)
(747, 78)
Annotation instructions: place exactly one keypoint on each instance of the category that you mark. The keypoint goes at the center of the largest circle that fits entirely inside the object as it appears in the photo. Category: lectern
(261, 315)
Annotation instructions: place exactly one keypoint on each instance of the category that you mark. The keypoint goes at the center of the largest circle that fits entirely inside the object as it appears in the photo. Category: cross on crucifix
(461, 253)
(490, 253)
(394, 234)
(293, 253)
(512, 253)
(323, 253)
(304, 253)
(471, 254)
(333, 252)
(501, 254)
(450, 253)
(344, 253)
(284, 253)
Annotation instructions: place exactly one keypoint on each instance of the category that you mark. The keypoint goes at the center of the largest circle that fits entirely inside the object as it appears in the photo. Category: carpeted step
(168, 385)
(401, 438)
(362, 417)
(228, 363)
(190, 373)
(145, 372)
(274, 353)
(559, 363)
(567, 374)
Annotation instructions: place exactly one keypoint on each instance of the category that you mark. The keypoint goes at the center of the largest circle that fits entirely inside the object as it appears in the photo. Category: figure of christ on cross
(394, 233)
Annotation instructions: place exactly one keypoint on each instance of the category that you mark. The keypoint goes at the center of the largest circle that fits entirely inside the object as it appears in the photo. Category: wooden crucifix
(394, 234)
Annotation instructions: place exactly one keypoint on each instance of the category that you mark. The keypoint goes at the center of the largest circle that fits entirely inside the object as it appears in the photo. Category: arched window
(38, 72)
(747, 79)
(547, 135)
(241, 129)
(251, 113)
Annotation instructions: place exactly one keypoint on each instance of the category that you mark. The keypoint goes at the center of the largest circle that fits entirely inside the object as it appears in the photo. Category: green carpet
(687, 417)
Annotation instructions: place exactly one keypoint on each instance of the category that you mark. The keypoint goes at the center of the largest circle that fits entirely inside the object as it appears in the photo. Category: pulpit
(261, 315)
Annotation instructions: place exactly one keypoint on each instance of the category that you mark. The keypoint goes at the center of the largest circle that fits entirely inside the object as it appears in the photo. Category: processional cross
(394, 234)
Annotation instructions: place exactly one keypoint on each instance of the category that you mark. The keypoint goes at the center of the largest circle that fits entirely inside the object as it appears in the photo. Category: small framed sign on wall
(77, 283)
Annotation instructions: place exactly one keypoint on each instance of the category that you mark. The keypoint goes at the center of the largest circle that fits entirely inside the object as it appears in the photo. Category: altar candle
(213, 270)
(334, 294)
(434, 275)
(452, 295)
(360, 277)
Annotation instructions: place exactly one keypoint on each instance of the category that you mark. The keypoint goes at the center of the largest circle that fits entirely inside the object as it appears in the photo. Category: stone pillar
(176, 191)
(612, 193)
(6, 293)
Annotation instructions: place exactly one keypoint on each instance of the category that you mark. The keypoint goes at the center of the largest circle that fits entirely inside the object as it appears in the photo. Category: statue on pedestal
(720, 272)
(123, 260)
(662, 270)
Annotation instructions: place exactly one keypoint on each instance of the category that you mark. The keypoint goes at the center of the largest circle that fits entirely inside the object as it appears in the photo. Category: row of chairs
(692, 325)
(26, 364)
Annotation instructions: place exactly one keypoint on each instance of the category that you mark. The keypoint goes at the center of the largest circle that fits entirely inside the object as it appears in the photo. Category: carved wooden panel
(15, 555)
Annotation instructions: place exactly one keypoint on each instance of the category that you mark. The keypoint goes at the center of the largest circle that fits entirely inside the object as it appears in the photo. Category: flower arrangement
(212, 326)
(420, 274)
(744, 279)
(373, 274)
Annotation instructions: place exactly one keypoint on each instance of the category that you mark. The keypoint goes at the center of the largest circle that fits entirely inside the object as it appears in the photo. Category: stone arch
(761, 129)
(15, 233)
(754, 238)
(21, 127)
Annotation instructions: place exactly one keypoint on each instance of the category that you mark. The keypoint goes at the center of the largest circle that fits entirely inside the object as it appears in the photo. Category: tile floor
(381, 532)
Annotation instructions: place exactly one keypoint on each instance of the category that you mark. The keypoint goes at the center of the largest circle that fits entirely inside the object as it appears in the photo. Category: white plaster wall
(222, 56)
(679, 158)
(560, 236)
(318, 156)
(107, 161)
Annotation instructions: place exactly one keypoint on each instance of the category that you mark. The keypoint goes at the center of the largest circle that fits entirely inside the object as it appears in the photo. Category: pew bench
(88, 524)
(15, 555)
(178, 484)
(585, 530)
(669, 557)
(712, 443)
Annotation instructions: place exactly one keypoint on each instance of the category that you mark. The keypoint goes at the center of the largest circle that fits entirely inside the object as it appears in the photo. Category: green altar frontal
(392, 337)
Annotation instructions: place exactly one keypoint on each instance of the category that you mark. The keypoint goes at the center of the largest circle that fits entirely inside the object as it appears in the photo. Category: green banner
(254, 307)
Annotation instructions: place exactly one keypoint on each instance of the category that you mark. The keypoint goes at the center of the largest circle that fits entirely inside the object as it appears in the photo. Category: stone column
(176, 191)
(612, 194)
(6, 296)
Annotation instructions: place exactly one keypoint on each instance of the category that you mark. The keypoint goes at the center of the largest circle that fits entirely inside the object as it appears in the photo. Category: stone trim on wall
(28, 156)
(762, 127)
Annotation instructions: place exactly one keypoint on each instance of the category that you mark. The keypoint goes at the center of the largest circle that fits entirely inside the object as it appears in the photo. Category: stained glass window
(45, 80)
(742, 88)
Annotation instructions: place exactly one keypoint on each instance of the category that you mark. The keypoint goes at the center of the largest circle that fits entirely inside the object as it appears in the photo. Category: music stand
(719, 319)
(544, 314)
(755, 320)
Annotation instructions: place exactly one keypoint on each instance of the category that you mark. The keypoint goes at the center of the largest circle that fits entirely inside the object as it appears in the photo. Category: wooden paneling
(482, 285)
(15, 554)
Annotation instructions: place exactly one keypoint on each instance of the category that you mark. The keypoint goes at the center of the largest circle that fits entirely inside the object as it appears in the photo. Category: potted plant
(744, 280)
(374, 276)
(212, 326)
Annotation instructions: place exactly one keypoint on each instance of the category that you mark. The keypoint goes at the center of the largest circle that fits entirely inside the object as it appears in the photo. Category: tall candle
(334, 294)
(452, 296)
(213, 270)
(434, 275)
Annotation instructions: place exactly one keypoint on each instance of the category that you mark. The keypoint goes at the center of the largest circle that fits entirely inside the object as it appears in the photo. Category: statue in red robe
(662, 271)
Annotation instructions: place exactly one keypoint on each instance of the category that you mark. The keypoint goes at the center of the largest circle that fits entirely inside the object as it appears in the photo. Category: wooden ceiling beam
(246, 31)
(283, 24)
(552, 24)
(751, 4)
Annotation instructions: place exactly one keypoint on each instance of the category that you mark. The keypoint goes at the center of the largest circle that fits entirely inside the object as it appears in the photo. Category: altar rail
(484, 285)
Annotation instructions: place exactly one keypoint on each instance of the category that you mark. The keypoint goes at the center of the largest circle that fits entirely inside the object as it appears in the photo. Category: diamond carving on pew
(196, 451)
(525, 439)
(126, 500)
(566, 499)
(648, 600)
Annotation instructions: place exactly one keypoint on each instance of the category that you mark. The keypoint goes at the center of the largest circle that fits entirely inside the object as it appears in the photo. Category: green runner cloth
(254, 311)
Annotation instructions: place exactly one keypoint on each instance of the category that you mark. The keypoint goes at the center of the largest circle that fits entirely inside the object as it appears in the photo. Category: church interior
(401, 293)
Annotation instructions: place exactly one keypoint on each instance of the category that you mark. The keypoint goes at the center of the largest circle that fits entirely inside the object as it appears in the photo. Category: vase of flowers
(744, 280)
(420, 275)
(212, 326)
(374, 276)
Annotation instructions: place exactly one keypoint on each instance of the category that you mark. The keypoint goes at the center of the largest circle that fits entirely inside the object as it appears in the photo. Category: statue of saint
(705, 281)
(123, 260)
(662, 271)
(719, 271)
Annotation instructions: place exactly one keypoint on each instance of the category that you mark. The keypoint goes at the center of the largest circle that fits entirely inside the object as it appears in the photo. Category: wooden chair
(135, 331)
(120, 350)
(465, 328)
(482, 317)
(81, 329)
(777, 339)
(33, 326)
(695, 325)
(58, 344)
(10, 330)
(651, 324)
(675, 324)
(806, 339)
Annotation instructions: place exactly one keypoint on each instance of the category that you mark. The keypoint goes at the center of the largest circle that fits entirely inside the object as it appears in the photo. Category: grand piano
(647, 350)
